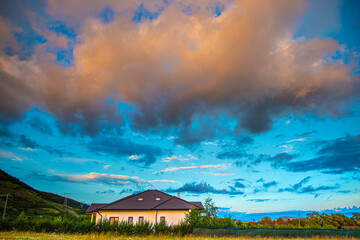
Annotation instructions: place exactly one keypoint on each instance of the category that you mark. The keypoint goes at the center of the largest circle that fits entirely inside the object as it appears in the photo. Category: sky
(253, 103)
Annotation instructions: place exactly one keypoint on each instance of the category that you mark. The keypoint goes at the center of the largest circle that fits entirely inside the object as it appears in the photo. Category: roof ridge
(132, 195)
(164, 193)
(162, 202)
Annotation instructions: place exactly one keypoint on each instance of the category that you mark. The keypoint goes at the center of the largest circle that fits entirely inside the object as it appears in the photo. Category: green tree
(210, 208)
(193, 218)
(266, 219)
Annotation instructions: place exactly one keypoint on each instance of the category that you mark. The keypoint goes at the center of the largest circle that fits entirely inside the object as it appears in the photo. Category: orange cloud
(243, 63)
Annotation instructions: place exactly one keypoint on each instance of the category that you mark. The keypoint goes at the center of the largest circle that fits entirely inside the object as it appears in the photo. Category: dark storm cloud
(40, 125)
(334, 157)
(203, 187)
(145, 154)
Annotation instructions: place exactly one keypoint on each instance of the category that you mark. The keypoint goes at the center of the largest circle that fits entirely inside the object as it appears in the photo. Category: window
(114, 219)
(162, 219)
(130, 220)
(141, 219)
(157, 199)
(140, 199)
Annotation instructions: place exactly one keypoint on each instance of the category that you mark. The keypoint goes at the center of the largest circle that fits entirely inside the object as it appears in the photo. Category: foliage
(265, 219)
(83, 225)
(210, 208)
(34, 202)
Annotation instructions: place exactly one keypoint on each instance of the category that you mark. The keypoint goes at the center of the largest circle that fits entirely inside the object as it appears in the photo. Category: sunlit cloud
(175, 169)
(297, 140)
(10, 155)
(179, 158)
(219, 174)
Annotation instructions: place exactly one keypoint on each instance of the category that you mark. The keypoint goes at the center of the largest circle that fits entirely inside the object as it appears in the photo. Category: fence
(275, 233)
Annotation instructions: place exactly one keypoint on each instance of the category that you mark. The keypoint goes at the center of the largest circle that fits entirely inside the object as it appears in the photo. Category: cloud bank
(174, 69)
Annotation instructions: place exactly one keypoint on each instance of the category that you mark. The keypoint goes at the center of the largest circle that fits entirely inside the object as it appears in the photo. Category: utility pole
(65, 202)
(7, 197)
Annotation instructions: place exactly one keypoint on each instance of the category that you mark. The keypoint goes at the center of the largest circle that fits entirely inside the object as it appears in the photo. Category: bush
(144, 228)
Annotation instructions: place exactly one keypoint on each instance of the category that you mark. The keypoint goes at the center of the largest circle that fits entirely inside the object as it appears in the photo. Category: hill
(32, 201)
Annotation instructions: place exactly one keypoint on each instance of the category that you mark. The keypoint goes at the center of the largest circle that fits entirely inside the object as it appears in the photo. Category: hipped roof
(148, 202)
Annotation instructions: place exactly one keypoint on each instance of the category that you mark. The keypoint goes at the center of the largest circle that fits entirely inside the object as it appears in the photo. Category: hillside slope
(32, 201)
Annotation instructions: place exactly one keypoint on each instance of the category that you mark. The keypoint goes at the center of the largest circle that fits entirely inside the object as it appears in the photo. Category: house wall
(171, 216)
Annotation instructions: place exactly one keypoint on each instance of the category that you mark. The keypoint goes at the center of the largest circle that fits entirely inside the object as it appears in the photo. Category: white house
(151, 205)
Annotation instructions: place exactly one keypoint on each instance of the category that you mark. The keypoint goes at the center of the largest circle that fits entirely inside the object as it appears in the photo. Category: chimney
(178, 195)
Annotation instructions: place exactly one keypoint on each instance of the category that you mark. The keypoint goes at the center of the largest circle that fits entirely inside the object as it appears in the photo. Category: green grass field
(31, 235)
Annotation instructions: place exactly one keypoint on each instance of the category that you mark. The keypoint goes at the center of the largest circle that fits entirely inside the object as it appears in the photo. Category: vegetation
(43, 213)
(34, 202)
(115, 236)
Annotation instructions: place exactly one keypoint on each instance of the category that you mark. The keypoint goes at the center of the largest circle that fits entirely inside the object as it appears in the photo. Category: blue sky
(255, 104)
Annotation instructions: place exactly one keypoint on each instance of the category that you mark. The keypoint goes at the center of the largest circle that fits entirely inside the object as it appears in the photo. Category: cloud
(258, 200)
(40, 125)
(127, 190)
(106, 192)
(175, 169)
(27, 144)
(179, 158)
(239, 179)
(102, 178)
(276, 161)
(79, 160)
(269, 184)
(141, 153)
(300, 188)
(203, 187)
(334, 157)
(236, 148)
(168, 69)
(235, 154)
(297, 140)
(10, 155)
(219, 174)
(239, 185)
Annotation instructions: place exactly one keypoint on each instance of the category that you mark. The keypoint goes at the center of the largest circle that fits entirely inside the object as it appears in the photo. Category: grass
(32, 235)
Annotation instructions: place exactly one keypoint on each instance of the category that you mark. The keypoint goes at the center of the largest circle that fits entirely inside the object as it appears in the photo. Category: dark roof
(199, 204)
(151, 200)
(93, 207)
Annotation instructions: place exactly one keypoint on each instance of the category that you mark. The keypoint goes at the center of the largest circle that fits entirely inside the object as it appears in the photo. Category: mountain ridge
(32, 201)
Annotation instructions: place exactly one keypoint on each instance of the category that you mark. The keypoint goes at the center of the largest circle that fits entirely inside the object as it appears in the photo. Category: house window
(114, 219)
(141, 219)
(130, 220)
(162, 219)
(140, 199)
(157, 199)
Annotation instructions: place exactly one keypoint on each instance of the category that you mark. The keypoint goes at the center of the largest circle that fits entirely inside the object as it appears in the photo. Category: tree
(193, 218)
(266, 219)
(210, 208)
